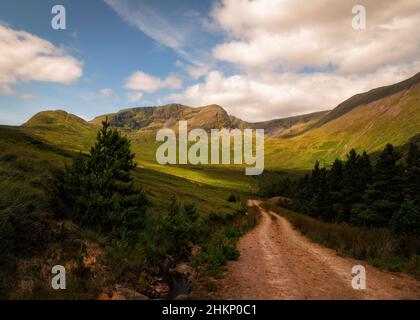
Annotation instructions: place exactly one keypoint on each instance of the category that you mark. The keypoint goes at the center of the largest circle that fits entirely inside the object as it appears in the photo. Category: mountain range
(366, 121)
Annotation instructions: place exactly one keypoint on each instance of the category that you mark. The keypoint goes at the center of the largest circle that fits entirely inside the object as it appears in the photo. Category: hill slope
(365, 122)
(155, 118)
(63, 129)
(151, 119)
(393, 118)
(368, 97)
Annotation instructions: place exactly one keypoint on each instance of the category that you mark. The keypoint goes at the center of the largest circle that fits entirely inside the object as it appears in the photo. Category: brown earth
(277, 262)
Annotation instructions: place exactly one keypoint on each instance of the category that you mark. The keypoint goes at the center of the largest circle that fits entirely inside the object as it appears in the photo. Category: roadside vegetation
(56, 205)
(367, 211)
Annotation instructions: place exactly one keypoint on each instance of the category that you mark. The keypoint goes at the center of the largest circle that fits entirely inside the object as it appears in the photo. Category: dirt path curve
(277, 262)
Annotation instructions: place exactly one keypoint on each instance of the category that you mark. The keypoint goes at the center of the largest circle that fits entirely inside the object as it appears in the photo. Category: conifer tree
(335, 184)
(100, 188)
(384, 195)
(412, 174)
(351, 192)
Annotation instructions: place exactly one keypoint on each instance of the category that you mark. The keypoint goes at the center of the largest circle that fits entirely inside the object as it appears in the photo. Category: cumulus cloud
(25, 57)
(193, 71)
(270, 34)
(293, 59)
(134, 96)
(141, 81)
(279, 95)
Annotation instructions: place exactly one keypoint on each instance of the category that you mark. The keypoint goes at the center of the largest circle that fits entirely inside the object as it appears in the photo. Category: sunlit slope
(62, 129)
(72, 133)
(366, 121)
(151, 119)
(391, 119)
(25, 163)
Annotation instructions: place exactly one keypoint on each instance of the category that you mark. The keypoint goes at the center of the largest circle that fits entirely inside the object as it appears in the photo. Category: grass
(28, 162)
(222, 246)
(380, 247)
(393, 119)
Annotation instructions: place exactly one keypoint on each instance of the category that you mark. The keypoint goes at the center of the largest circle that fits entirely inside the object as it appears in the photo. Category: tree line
(355, 191)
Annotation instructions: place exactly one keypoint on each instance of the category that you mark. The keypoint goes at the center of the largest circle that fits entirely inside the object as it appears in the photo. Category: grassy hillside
(365, 122)
(391, 119)
(61, 129)
(32, 233)
(291, 126)
(32, 155)
(368, 97)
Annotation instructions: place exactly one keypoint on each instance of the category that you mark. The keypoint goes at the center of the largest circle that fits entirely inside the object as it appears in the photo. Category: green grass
(29, 157)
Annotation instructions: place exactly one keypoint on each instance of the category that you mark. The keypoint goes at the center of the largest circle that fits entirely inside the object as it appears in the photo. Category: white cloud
(107, 93)
(140, 81)
(134, 96)
(275, 42)
(25, 57)
(273, 34)
(279, 95)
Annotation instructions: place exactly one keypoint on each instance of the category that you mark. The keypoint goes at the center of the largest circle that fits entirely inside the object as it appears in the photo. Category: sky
(259, 59)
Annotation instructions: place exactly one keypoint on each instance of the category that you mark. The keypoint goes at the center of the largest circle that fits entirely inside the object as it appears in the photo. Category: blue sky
(110, 48)
(259, 59)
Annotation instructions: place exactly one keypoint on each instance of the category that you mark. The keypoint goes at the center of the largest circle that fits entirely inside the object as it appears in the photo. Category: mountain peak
(152, 118)
(57, 118)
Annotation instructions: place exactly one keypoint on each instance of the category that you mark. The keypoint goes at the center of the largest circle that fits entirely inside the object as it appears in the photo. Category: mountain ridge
(366, 98)
(366, 121)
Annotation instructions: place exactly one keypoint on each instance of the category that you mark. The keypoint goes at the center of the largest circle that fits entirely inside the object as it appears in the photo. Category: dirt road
(277, 262)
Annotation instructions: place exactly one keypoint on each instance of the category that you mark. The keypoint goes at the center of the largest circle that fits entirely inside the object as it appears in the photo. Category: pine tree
(180, 226)
(100, 188)
(412, 174)
(383, 196)
(406, 220)
(319, 190)
(335, 184)
(351, 192)
(364, 171)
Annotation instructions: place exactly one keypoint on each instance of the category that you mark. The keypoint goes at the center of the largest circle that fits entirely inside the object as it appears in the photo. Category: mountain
(63, 129)
(291, 126)
(366, 121)
(58, 119)
(384, 115)
(151, 119)
(155, 118)
(368, 97)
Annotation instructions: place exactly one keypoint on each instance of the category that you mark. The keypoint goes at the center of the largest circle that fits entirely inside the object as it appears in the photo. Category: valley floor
(277, 262)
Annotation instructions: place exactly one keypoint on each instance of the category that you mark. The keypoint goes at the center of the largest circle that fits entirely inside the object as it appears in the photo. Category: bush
(179, 227)
(407, 219)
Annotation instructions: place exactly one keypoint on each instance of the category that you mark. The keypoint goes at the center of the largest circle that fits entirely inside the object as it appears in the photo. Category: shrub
(407, 219)
(100, 191)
